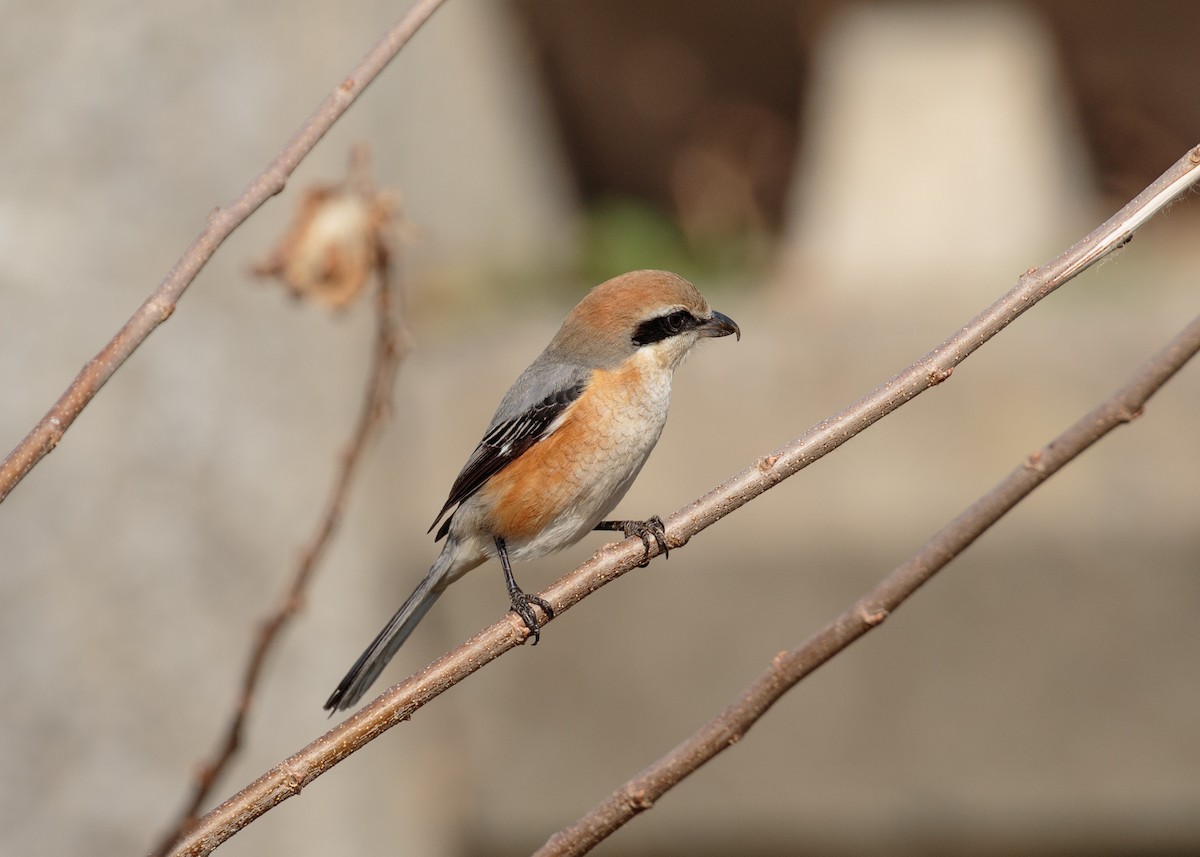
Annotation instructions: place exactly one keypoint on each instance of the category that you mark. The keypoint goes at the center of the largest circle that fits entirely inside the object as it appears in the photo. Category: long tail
(371, 662)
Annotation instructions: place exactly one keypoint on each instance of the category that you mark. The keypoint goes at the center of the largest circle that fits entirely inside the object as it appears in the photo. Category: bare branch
(789, 668)
(221, 224)
(391, 344)
(402, 701)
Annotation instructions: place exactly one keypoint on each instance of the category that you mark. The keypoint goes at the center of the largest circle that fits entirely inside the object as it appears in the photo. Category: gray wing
(524, 417)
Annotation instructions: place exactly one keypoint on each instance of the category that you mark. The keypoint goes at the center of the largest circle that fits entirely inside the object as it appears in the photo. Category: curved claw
(651, 528)
(521, 606)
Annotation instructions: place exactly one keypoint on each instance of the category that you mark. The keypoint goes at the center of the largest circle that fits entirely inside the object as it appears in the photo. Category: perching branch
(221, 224)
(402, 701)
(789, 668)
(391, 344)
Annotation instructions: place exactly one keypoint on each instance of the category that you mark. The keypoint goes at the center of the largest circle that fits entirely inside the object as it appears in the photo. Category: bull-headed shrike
(564, 446)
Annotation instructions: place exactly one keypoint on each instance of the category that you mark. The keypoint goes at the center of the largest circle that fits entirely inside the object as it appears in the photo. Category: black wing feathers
(503, 444)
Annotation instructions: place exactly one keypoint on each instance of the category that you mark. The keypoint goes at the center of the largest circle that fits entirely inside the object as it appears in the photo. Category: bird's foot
(522, 606)
(651, 528)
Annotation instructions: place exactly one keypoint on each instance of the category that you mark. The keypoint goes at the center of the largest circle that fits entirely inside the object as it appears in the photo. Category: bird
(565, 444)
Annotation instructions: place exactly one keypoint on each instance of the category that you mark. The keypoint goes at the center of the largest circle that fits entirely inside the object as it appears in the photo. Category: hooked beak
(719, 325)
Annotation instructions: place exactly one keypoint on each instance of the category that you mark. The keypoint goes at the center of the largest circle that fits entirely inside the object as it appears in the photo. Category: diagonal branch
(399, 703)
(391, 344)
(221, 223)
(789, 668)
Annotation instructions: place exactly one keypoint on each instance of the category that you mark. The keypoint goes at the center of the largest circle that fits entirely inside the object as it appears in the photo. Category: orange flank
(554, 474)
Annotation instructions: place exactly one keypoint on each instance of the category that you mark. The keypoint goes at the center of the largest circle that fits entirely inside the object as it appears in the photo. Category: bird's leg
(651, 528)
(521, 601)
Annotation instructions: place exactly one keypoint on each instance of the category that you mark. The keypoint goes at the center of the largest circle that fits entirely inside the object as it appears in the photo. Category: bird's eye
(663, 327)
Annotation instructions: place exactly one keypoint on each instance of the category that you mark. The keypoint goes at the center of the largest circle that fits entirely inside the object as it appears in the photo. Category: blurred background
(850, 181)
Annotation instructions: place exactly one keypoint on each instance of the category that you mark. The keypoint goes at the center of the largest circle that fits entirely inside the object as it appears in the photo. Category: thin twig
(221, 223)
(788, 668)
(400, 702)
(391, 344)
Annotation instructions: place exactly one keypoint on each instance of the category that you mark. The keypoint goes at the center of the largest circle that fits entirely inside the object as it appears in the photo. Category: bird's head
(654, 311)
